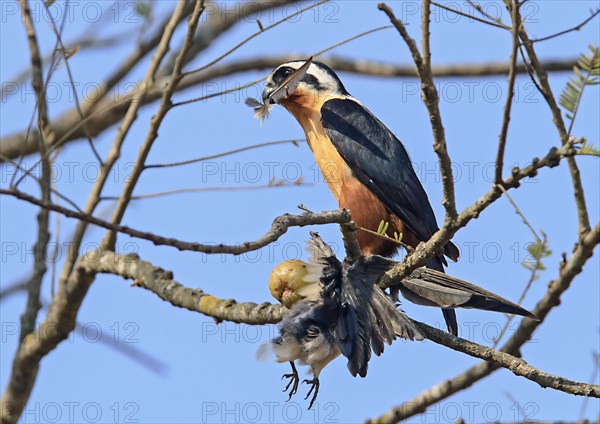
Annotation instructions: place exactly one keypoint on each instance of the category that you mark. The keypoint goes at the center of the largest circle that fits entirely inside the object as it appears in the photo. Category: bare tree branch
(13, 289)
(279, 227)
(227, 153)
(140, 51)
(106, 113)
(87, 42)
(568, 271)
(516, 365)
(165, 104)
(512, 76)
(254, 35)
(582, 212)
(566, 31)
(34, 284)
(276, 184)
(161, 283)
(431, 99)
(115, 151)
(493, 23)
(425, 250)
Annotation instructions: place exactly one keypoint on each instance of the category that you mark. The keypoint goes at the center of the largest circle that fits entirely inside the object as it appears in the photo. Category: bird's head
(317, 84)
(294, 280)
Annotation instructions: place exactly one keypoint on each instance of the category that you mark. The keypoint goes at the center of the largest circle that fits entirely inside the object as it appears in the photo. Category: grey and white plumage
(343, 313)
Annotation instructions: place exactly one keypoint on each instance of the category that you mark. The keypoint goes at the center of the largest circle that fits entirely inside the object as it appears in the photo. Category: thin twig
(533, 276)
(115, 150)
(38, 179)
(425, 250)
(110, 238)
(347, 40)
(227, 153)
(512, 76)
(582, 212)
(209, 189)
(566, 31)
(13, 289)
(68, 127)
(583, 251)
(162, 283)
(485, 14)
(521, 214)
(220, 93)
(431, 100)
(256, 34)
(458, 12)
(250, 84)
(278, 228)
(409, 249)
(63, 50)
(43, 237)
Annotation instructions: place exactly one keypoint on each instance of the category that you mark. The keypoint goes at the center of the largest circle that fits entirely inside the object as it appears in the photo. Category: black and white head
(319, 81)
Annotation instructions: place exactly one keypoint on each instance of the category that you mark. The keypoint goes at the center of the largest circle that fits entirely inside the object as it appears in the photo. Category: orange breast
(306, 108)
(366, 209)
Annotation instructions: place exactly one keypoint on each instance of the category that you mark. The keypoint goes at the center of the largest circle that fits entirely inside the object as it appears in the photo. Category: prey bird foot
(314, 386)
(294, 381)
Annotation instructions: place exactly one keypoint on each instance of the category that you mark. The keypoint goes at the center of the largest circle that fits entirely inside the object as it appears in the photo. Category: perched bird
(340, 311)
(365, 166)
(336, 308)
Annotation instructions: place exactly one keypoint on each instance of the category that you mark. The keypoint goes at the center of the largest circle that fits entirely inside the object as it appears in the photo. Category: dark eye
(287, 72)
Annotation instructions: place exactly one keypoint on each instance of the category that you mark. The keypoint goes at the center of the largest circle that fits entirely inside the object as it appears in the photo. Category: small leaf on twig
(586, 72)
(383, 227)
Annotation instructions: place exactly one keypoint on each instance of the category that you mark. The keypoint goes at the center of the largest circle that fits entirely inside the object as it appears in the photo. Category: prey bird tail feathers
(367, 318)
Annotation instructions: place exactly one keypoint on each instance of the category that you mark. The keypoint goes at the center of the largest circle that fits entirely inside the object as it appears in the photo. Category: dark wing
(433, 288)
(379, 161)
(367, 317)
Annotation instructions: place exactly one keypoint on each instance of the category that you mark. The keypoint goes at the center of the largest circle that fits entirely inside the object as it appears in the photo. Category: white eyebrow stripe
(325, 79)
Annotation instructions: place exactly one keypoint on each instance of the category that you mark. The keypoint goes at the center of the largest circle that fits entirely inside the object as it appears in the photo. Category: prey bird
(366, 167)
(336, 308)
(339, 310)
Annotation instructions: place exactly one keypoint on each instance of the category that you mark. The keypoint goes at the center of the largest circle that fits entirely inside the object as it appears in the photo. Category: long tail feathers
(437, 263)
(435, 287)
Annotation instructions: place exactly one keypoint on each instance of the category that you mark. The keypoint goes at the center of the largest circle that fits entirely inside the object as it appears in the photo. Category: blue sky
(211, 374)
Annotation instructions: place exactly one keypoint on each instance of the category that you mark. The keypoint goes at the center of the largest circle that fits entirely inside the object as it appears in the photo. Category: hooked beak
(274, 93)
(268, 90)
